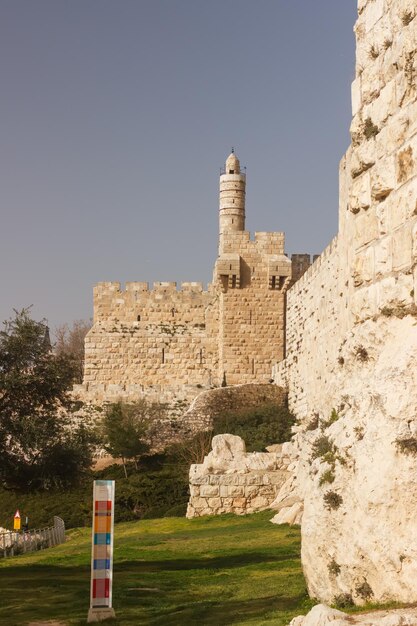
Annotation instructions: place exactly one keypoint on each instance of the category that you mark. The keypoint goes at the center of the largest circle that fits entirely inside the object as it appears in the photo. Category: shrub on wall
(258, 427)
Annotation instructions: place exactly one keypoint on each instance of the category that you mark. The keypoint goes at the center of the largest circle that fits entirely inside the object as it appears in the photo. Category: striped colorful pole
(102, 552)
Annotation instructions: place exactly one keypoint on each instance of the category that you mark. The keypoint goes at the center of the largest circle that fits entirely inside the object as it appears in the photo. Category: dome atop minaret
(232, 164)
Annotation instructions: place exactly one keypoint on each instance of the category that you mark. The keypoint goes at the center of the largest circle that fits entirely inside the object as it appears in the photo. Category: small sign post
(17, 520)
(102, 552)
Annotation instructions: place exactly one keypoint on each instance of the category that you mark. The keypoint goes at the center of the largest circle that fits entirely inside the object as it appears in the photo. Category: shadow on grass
(231, 611)
(40, 592)
(220, 562)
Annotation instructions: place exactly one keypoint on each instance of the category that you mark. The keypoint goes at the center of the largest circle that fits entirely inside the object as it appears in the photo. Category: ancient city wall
(317, 321)
(161, 343)
(352, 366)
(167, 344)
(370, 270)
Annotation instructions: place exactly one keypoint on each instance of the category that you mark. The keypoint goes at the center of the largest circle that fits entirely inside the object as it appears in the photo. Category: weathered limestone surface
(230, 480)
(351, 365)
(322, 615)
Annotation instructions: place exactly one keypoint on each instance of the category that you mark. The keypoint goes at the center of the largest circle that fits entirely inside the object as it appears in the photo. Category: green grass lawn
(213, 570)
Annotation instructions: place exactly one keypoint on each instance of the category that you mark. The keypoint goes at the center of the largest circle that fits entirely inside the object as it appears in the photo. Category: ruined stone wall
(232, 401)
(233, 481)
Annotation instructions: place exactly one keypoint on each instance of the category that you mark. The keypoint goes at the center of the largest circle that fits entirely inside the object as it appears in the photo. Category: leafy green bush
(258, 427)
(73, 505)
(149, 494)
(327, 477)
(125, 428)
(41, 447)
(158, 486)
(321, 447)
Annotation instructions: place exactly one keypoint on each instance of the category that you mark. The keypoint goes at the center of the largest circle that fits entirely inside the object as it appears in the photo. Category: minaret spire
(232, 198)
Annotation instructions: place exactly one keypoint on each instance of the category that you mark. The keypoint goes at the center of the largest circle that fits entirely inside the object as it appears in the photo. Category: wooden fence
(13, 543)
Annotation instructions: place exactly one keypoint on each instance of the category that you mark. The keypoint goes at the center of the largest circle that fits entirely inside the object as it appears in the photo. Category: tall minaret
(232, 198)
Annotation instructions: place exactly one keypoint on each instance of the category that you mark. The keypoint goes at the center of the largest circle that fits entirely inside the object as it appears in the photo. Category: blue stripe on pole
(102, 539)
(101, 563)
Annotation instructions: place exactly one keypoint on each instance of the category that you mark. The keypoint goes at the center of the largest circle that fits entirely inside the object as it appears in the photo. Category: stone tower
(251, 277)
(167, 344)
(232, 198)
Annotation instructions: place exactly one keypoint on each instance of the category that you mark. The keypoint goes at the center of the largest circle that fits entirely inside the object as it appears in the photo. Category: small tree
(40, 444)
(70, 341)
(127, 429)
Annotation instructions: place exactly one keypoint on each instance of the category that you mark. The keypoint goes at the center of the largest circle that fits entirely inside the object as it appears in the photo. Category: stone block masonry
(370, 269)
(229, 401)
(233, 481)
(168, 344)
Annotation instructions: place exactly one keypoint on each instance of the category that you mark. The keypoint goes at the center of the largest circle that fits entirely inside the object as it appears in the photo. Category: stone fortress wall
(167, 344)
(144, 339)
(370, 267)
(317, 321)
(251, 318)
(351, 361)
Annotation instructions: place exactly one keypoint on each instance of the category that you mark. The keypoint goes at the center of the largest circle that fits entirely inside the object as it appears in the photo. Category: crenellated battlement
(175, 336)
(137, 286)
(314, 267)
(159, 287)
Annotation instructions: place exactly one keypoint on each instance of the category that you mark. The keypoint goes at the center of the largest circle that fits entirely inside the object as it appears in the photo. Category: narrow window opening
(273, 283)
(231, 171)
(250, 317)
(138, 318)
(163, 355)
(201, 357)
(253, 366)
(233, 221)
(230, 267)
(173, 312)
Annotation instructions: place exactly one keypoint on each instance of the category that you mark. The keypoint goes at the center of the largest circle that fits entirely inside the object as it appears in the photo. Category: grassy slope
(214, 571)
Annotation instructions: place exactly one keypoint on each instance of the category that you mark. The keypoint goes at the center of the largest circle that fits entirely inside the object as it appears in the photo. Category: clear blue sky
(116, 115)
